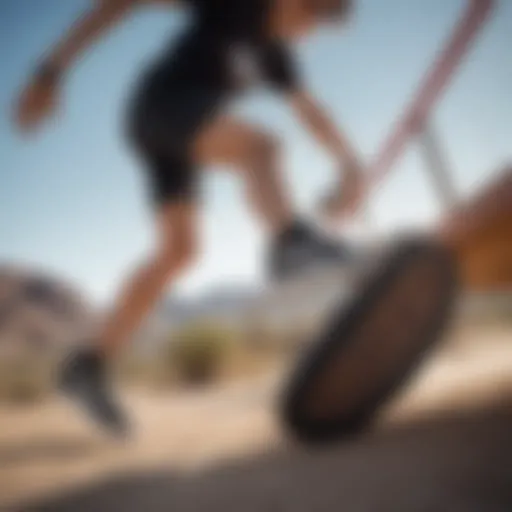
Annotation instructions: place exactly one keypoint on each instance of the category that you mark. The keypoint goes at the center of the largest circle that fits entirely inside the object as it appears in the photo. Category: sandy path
(446, 444)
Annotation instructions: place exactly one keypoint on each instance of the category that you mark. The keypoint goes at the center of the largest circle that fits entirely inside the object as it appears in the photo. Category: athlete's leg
(174, 251)
(295, 245)
(255, 154)
(83, 375)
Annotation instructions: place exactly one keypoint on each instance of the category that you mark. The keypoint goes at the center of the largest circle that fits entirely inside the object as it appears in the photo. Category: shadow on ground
(458, 462)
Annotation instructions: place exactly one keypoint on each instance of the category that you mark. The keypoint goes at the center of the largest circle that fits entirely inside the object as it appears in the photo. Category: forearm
(87, 30)
(324, 130)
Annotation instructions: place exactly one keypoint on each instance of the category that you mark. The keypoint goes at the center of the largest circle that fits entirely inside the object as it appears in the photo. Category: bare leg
(256, 155)
(82, 375)
(177, 240)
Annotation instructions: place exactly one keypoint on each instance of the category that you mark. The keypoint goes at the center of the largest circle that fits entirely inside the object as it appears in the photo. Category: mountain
(224, 304)
(38, 309)
(301, 302)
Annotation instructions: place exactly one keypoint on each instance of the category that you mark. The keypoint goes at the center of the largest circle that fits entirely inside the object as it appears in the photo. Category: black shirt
(227, 48)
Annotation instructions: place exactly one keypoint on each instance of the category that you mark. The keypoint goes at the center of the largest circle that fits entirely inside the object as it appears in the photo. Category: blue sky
(72, 199)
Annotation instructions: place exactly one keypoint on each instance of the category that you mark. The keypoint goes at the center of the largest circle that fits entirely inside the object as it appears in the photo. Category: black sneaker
(83, 380)
(301, 249)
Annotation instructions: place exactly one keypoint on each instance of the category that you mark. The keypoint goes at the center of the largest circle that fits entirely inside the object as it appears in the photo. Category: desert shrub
(198, 354)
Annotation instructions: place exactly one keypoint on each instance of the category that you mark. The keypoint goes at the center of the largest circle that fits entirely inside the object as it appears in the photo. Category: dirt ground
(444, 445)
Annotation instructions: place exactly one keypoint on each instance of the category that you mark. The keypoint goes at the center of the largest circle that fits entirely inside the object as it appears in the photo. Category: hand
(38, 100)
(344, 200)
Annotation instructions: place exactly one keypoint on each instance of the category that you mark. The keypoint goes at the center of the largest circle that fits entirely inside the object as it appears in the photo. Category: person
(178, 123)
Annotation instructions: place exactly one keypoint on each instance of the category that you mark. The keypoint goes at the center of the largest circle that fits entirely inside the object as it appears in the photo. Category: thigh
(226, 140)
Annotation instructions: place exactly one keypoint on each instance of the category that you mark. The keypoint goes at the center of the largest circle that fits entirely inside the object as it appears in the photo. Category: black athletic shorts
(163, 125)
(225, 50)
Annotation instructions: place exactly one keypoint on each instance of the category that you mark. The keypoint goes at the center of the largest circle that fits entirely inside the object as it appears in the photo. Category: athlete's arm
(342, 199)
(281, 72)
(87, 29)
(38, 100)
(319, 124)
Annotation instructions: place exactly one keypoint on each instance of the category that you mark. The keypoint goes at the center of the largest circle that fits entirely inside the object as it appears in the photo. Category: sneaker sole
(372, 344)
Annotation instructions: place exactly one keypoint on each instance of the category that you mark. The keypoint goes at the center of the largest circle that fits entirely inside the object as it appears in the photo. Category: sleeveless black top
(226, 48)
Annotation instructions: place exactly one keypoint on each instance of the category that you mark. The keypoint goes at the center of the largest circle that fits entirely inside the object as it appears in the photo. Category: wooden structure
(480, 232)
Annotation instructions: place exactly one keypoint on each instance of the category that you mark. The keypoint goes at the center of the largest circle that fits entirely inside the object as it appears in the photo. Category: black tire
(339, 337)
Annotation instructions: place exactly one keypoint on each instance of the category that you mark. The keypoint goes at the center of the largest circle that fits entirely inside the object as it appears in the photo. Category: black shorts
(163, 123)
